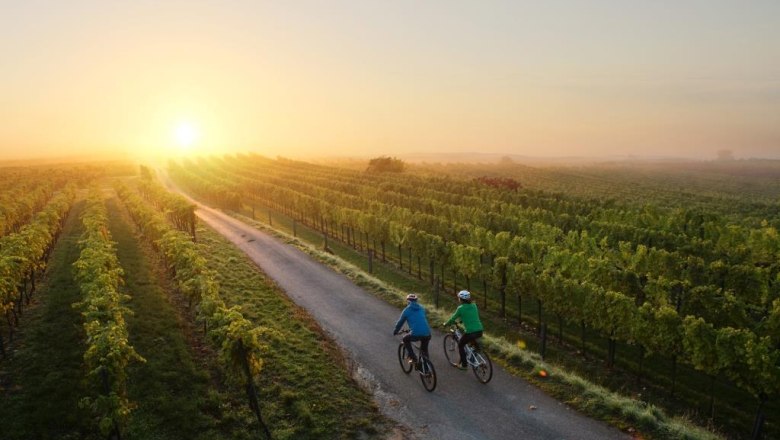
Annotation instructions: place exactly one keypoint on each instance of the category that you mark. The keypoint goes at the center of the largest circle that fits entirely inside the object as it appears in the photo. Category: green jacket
(469, 316)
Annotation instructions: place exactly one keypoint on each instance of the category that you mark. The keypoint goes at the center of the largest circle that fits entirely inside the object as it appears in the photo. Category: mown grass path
(173, 390)
(42, 379)
(306, 391)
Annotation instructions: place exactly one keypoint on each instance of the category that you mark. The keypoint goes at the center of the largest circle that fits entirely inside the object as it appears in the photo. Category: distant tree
(725, 155)
(506, 183)
(385, 164)
(506, 160)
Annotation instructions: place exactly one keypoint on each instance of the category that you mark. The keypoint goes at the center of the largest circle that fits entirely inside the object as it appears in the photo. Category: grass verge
(306, 391)
(173, 390)
(42, 381)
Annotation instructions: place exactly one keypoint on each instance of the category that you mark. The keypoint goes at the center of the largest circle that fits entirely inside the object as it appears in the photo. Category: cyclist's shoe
(411, 360)
(462, 367)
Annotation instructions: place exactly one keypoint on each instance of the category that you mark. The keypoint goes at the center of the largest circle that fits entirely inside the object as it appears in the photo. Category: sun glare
(186, 135)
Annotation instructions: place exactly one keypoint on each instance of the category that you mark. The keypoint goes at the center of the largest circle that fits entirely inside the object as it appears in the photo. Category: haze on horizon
(348, 78)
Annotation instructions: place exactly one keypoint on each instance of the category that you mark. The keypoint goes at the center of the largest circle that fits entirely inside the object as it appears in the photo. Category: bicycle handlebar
(455, 326)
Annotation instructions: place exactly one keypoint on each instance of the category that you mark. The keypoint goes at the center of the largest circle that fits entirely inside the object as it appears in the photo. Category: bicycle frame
(476, 357)
(423, 365)
(471, 356)
(416, 346)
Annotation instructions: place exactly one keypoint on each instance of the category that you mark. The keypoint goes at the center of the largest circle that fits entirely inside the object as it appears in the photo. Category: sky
(363, 78)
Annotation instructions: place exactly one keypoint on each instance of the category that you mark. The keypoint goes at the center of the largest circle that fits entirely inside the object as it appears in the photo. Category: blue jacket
(415, 315)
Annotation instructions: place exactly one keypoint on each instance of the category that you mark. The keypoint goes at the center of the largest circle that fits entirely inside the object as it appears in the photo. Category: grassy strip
(173, 392)
(594, 400)
(45, 373)
(108, 351)
(305, 388)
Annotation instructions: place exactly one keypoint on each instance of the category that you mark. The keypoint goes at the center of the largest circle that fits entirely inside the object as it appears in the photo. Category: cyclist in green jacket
(469, 316)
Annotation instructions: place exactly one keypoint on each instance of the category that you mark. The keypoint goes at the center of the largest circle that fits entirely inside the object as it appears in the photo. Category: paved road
(460, 407)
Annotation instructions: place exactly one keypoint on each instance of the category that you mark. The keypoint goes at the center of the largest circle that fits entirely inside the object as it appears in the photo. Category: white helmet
(411, 297)
(464, 295)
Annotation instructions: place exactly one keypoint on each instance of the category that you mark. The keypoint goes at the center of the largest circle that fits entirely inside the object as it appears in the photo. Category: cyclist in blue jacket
(414, 314)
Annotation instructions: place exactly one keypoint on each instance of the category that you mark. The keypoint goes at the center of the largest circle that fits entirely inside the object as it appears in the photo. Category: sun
(186, 135)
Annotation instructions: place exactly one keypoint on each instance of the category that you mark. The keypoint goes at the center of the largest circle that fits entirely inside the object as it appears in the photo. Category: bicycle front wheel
(484, 368)
(451, 350)
(428, 374)
(406, 366)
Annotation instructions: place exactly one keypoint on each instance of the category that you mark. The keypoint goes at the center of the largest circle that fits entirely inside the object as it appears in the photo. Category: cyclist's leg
(478, 339)
(424, 345)
(466, 339)
(408, 346)
(462, 350)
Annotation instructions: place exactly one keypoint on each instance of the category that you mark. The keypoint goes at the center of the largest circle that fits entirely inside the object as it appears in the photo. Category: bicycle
(475, 356)
(423, 365)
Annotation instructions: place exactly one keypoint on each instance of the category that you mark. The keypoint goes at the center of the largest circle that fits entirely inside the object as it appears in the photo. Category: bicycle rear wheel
(451, 350)
(428, 374)
(484, 370)
(406, 366)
